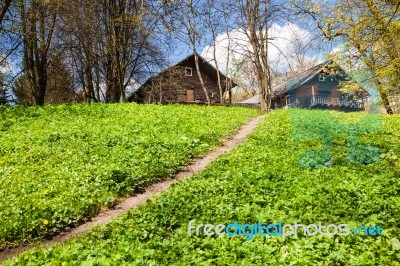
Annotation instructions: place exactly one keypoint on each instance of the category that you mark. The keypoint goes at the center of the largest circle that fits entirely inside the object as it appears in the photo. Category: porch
(327, 102)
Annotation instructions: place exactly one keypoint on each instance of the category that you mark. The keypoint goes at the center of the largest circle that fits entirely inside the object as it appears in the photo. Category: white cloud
(286, 41)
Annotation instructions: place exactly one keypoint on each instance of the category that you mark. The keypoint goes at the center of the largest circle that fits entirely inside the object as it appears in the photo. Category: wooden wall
(327, 88)
(172, 85)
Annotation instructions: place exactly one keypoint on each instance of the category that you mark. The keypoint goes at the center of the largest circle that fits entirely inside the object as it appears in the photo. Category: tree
(214, 22)
(81, 36)
(10, 39)
(60, 84)
(255, 17)
(370, 30)
(228, 79)
(22, 91)
(106, 46)
(59, 87)
(248, 78)
(128, 44)
(38, 20)
(111, 44)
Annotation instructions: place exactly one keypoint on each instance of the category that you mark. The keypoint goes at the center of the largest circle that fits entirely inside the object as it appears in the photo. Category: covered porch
(327, 102)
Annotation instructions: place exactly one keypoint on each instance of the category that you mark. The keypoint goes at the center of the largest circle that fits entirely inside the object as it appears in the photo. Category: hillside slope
(59, 165)
(273, 177)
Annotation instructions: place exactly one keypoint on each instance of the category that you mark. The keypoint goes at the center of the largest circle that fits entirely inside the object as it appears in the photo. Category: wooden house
(181, 84)
(317, 87)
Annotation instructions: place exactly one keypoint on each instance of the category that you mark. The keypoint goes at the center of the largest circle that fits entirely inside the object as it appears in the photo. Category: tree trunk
(384, 98)
(89, 83)
(228, 81)
(196, 59)
(256, 14)
(36, 37)
(4, 9)
(221, 92)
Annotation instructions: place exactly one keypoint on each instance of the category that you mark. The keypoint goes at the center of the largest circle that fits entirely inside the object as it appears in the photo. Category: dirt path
(127, 204)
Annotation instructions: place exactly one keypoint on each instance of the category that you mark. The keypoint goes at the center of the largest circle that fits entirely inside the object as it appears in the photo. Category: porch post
(313, 93)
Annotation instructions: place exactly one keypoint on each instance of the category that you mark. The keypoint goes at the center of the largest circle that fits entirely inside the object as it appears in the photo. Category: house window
(321, 77)
(188, 71)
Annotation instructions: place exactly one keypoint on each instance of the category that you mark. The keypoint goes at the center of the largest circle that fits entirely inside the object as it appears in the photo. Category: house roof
(204, 65)
(300, 79)
(292, 83)
(253, 100)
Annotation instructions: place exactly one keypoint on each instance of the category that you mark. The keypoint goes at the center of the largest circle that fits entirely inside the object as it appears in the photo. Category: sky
(286, 39)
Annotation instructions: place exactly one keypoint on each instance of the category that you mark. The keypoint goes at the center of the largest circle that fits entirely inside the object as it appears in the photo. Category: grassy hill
(59, 165)
(282, 173)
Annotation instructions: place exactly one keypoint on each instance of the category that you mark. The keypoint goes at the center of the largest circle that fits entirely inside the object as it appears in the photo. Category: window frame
(321, 77)
(190, 71)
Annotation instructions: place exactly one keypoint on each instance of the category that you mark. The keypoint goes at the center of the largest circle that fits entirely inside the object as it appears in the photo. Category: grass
(268, 179)
(59, 165)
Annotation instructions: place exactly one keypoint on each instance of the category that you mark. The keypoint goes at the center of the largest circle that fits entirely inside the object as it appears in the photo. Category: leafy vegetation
(59, 165)
(261, 180)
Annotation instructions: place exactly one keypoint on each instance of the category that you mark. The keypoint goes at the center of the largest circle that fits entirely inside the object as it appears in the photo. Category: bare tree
(128, 44)
(38, 20)
(228, 80)
(81, 38)
(112, 44)
(255, 18)
(213, 20)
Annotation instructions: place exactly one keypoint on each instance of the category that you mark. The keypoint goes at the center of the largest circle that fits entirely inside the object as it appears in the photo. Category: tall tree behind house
(255, 20)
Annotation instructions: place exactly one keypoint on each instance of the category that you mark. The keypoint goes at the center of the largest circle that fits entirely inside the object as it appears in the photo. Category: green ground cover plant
(59, 165)
(261, 180)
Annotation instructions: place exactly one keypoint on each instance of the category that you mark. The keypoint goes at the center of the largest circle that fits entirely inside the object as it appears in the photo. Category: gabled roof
(253, 100)
(292, 83)
(300, 79)
(205, 65)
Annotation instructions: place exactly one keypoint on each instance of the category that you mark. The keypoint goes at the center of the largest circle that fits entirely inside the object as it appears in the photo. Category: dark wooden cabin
(181, 84)
(317, 87)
